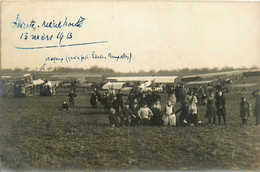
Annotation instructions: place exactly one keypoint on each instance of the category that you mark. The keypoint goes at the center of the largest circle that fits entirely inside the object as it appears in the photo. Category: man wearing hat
(71, 96)
(221, 107)
(119, 98)
(135, 108)
(126, 115)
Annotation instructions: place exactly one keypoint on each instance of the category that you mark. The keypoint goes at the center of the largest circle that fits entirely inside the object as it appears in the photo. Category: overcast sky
(159, 35)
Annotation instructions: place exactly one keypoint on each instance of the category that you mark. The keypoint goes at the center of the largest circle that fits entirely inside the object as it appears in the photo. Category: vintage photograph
(129, 86)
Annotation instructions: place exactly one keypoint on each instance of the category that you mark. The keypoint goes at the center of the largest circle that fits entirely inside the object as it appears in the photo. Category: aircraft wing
(114, 85)
(156, 79)
(199, 82)
(38, 82)
(252, 73)
(165, 79)
(210, 76)
(131, 79)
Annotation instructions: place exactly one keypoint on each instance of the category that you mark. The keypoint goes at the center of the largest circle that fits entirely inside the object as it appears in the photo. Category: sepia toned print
(106, 85)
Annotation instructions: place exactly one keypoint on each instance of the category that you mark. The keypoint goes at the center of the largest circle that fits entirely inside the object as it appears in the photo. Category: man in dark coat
(182, 93)
(71, 96)
(94, 99)
(119, 98)
(130, 99)
(126, 115)
(177, 92)
(184, 109)
(136, 119)
(156, 119)
(149, 98)
(115, 105)
(221, 107)
(256, 94)
(98, 94)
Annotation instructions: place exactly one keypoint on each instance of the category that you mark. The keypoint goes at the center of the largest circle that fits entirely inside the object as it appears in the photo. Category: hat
(144, 103)
(112, 110)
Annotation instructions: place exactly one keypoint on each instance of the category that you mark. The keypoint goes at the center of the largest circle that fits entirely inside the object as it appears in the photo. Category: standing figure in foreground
(136, 119)
(221, 107)
(126, 115)
(256, 94)
(211, 109)
(119, 98)
(145, 114)
(245, 107)
(192, 100)
(169, 117)
(156, 119)
(94, 99)
(71, 96)
(184, 109)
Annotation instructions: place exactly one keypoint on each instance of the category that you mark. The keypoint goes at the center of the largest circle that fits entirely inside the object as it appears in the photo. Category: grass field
(36, 135)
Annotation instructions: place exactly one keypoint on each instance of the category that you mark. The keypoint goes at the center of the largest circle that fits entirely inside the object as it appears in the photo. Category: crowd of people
(144, 108)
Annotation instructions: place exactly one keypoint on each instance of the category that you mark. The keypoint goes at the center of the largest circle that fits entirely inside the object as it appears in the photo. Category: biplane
(81, 80)
(144, 83)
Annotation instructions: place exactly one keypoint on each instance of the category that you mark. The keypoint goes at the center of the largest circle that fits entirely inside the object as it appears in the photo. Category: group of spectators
(19, 89)
(144, 108)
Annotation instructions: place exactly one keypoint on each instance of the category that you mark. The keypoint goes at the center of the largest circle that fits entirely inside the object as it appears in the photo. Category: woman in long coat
(93, 99)
(211, 109)
(256, 94)
(245, 107)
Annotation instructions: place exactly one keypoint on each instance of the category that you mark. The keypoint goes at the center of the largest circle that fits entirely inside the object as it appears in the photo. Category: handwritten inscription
(34, 30)
(83, 58)
(20, 24)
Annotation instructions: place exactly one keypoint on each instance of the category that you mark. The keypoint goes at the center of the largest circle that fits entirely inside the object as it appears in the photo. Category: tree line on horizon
(107, 71)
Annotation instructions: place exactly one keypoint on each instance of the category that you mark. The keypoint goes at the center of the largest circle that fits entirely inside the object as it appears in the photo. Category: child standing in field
(169, 117)
(145, 114)
(245, 107)
(211, 109)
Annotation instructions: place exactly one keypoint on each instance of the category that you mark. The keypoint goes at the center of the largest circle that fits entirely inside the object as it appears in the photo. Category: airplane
(81, 80)
(224, 78)
(144, 83)
(211, 76)
(252, 73)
